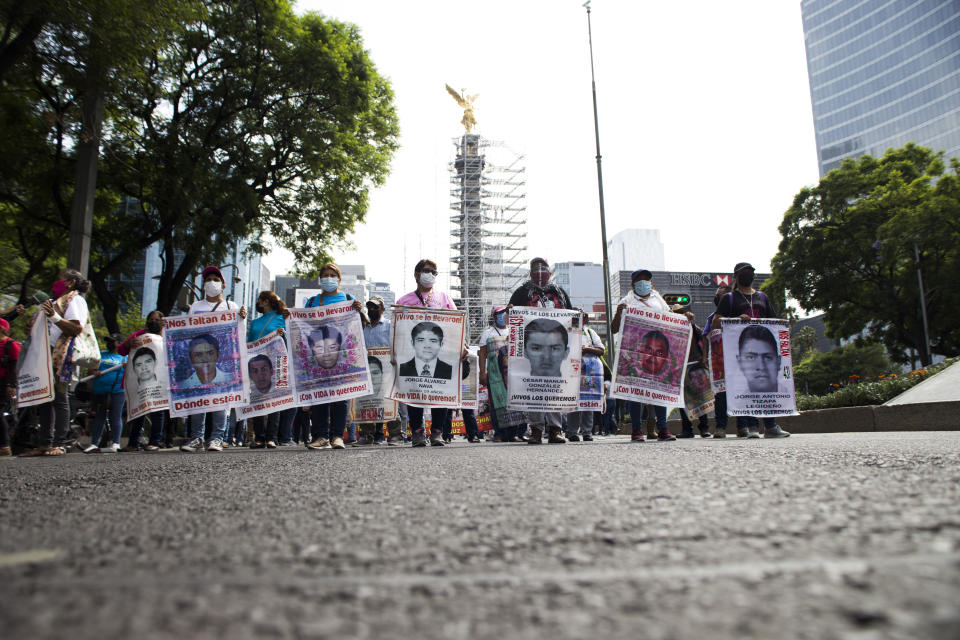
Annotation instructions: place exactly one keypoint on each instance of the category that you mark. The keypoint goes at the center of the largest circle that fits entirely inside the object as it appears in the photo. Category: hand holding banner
(427, 345)
(758, 362)
(268, 366)
(146, 381)
(649, 365)
(544, 359)
(376, 407)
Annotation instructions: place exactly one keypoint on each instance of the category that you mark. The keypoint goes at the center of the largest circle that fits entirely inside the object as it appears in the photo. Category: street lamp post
(926, 357)
(603, 218)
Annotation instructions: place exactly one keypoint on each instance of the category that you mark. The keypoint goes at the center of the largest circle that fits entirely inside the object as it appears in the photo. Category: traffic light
(676, 298)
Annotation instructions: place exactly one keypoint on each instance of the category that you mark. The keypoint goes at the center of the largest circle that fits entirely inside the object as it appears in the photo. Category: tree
(848, 248)
(819, 370)
(803, 341)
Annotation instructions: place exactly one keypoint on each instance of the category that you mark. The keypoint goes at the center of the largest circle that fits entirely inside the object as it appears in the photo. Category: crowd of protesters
(45, 430)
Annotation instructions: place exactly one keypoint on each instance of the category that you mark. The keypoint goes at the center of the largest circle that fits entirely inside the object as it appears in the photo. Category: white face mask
(212, 288)
(427, 280)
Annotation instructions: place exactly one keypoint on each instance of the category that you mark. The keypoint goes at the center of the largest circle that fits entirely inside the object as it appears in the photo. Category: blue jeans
(158, 420)
(195, 425)
(265, 427)
(720, 410)
(329, 420)
(287, 416)
(437, 418)
(112, 402)
(470, 423)
(636, 417)
(754, 423)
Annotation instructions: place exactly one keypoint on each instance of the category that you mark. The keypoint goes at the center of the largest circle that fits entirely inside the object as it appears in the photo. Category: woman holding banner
(146, 374)
(330, 418)
(644, 296)
(65, 317)
(425, 275)
(273, 313)
(108, 398)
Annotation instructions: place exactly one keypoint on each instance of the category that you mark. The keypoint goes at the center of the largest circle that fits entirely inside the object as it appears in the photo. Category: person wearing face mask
(66, 314)
(377, 334)
(719, 398)
(541, 291)
(273, 313)
(212, 301)
(497, 332)
(581, 423)
(159, 420)
(425, 295)
(643, 296)
(745, 302)
(330, 418)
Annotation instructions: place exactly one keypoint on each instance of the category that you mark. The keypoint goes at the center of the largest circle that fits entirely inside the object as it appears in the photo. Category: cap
(541, 260)
(497, 309)
(4, 325)
(212, 269)
(741, 266)
(639, 272)
(376, 300)
(677, 308)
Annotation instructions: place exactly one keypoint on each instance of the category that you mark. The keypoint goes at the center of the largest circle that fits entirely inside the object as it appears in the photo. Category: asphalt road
(847, 536)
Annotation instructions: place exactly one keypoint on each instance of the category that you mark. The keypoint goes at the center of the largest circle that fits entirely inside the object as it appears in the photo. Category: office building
(635, 249)
(583, 282)
(882, 74)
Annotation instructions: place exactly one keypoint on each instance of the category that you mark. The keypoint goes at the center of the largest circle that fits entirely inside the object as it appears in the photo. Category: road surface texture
(847, 536)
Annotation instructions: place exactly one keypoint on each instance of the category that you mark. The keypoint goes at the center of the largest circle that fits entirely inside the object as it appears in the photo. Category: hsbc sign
(699, 279)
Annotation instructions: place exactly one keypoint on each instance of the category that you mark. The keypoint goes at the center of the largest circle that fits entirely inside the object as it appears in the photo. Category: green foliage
(803, 341)
(848, 248)
(870, 392)
(818, 371)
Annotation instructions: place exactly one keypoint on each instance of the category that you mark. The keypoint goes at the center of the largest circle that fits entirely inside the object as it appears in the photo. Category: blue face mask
(500, 320)
(643, 287)
(329, 284)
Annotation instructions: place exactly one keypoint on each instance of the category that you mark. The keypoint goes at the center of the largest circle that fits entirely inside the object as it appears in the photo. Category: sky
(706, 128)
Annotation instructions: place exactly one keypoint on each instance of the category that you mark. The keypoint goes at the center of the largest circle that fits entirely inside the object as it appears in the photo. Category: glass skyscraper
(883, 73)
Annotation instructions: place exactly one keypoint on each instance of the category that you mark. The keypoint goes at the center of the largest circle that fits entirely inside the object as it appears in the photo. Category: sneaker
(573, 438)
(753, 433)
(286, 443)
(113, 447)
(150, 448)
(775, 432)
(191, 446)
(337, 443)
(437, 442)
(271, 444)
(320, 443)
(665, 436)
(588, 438)
(720, 434)
(6, 451)
(705, 434)
(91, 449)
(215, 445)
(638, 438)
(742, 432)
(686, 433)
(224, 444)
(257, 445)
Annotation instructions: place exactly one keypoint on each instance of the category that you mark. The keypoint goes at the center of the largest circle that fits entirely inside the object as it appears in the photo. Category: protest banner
(35, 368)
(328, 354)
(376, 407)
(268, 366)
(591, 384)
(756, 355)
(470, 380)
(205, 355)
(651, 357)
(145, 383)
(544, 359)
(458, 427)
(302, 296)
(697, 394)
(717, 380)
(427, 344)
(498, 348)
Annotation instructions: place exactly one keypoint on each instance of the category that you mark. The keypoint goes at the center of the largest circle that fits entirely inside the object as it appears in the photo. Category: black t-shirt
(756, 305)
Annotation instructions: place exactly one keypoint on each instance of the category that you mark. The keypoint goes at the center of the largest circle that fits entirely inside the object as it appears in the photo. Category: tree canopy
(849, 247)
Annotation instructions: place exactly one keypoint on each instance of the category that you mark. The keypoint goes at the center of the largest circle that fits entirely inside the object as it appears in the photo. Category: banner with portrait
(427, 344)
(328, 354)
(35, 365)
(591, 384)
(205, 357)
(376, 407)
(698, 396)
(756, 355)
(651, 357)
(544, 359)
(715, 349)
(268, 367)
(146, 380)
(470, 380)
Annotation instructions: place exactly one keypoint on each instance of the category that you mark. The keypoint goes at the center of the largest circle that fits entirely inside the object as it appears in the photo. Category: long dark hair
(81, 284)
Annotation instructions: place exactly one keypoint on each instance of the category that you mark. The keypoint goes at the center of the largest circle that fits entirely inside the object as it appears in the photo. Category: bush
(818, 371)
(870, 392)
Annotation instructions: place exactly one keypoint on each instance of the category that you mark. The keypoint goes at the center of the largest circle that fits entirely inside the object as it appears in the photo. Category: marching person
(108, 399)
(9, 355)
(159, 420)
(376, 334)
(497, 332)
(330, 419)
(695, 353)
(426, 295)
(745, 302)
(541, 291)
(213, 300)
(583, 421)
(643, 296)
(66, 316)
(273, 313)
(719, 398)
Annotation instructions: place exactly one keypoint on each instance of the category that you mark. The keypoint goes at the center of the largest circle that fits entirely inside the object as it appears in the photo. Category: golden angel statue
(465, 101)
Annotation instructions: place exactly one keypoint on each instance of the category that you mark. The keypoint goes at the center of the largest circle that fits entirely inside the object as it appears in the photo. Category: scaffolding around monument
(489, 227)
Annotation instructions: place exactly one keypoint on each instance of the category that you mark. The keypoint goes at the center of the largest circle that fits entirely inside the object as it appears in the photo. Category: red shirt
(9, 354)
